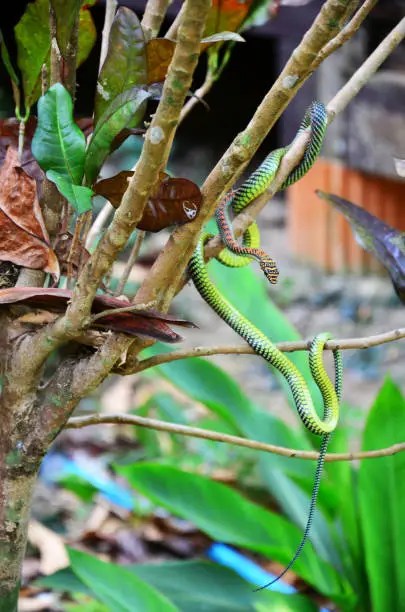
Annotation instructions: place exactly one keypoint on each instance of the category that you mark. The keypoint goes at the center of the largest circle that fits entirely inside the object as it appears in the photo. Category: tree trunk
(17, 487)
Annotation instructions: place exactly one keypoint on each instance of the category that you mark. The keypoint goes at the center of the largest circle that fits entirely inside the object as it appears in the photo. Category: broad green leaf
(87, 33)
(194, 586)
(200, 586)
(66, 13)
(34, 44)
(294, 502)
(125, 65)
(224, 397)
(249, 294)
(33, 47)
(78, 195)
(228, 517)
(86, 606)
(7, 62)
(65, 580)
(116, 587)
(58, 143)
(123, 111)
(382, 502)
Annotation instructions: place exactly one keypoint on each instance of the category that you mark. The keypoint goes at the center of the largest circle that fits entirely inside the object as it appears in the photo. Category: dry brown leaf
(23, 236)
(63, 246)
(51, 547)
(173, 201)
(143, 323)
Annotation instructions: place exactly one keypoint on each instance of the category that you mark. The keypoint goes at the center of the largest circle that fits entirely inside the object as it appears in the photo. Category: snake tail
(316, 348)
(312, 506)
(265, 348)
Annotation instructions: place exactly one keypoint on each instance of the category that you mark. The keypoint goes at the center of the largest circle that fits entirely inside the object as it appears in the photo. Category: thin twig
(130, 263)
(198, 95)
(113, 311)
(99, 223)
(166, 274)
(334, 107)
(366, 70)
(110, 8)
(285, 347)
(195, 432)
(153, 16)
(344, 35)
(172, 31)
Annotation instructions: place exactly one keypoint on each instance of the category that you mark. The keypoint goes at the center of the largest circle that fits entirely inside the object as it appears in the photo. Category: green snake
(263, 346)
(235, 255)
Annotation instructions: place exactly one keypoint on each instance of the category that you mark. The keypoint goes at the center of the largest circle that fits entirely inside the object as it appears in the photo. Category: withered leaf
(9, 133)
(159, 51)
(23, 236)
(174, 201)
(143, 323)
(69, 262)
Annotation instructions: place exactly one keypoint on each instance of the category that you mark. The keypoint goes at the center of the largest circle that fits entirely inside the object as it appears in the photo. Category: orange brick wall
(320, 235)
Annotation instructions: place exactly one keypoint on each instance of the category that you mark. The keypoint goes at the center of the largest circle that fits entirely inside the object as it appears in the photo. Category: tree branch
(153, 16)
(110, 8)
(243, 349)
(366, 70)
(167, 271)
(159, 134)
(195, 432)
(130, 262)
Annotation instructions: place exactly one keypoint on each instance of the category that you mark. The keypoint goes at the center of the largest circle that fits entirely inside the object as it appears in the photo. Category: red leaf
(23, 236)
(174, 201)
(143, 323)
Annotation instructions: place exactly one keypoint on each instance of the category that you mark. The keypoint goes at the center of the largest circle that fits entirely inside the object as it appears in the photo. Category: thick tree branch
(166, 272)
(195, 432)
(153, 16)
(157, 138)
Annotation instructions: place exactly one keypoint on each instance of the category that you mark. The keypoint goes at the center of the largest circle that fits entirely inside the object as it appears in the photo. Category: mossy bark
(17, 488)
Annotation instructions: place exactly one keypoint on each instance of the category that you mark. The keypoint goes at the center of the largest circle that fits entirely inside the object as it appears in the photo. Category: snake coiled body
(331, 393)
(235, 255)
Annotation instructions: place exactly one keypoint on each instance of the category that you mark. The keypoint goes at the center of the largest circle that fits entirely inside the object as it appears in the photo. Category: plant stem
(153, 16)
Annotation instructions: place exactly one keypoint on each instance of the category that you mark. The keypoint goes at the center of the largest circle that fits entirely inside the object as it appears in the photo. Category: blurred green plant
(355, 559)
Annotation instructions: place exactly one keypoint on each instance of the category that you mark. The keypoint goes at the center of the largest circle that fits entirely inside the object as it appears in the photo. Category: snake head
(270, 270)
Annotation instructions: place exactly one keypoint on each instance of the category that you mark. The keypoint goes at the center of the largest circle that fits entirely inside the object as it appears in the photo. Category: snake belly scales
(257, 183)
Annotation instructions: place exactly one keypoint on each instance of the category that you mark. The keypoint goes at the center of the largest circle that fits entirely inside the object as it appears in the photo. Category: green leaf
(219, 589)
(116, 587)
(123, 111)
(34, 44)
(224, 397)
(66, 14)
(382, 501)
(125, 65)
(7, 62)
(86, 606)
(58, 143)
(87, 33)
(33, 47)
(228, 517)
(78, 195)
(79, 486)
(249, 294)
